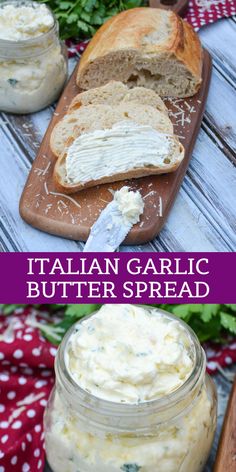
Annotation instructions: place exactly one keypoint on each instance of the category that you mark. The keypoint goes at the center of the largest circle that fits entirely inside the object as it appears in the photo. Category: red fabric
(76, 49)
(220, 355)
(26, 369)
(196, 15)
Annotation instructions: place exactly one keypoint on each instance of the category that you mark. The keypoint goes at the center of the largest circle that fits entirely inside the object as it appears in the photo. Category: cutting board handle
(226, 455)
(178, 6)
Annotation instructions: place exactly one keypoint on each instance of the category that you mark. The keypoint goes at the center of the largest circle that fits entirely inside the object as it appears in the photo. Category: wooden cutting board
(72, 216)
(226, 455)
(178, 6)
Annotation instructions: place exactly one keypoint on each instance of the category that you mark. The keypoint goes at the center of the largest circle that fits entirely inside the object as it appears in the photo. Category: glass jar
(171, 434)
(32, 71)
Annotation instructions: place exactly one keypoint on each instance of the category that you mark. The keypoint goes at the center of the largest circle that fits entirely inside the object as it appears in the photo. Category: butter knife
(109, 231)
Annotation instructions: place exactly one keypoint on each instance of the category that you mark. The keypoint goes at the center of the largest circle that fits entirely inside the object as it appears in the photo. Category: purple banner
(118, 278)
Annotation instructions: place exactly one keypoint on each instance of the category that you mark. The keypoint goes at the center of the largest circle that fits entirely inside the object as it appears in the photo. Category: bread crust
(191, 52)
(127, 30)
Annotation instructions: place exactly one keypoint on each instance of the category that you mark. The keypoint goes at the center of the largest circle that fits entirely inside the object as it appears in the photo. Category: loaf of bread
(101, 107)
(147, 47)
(111, 134)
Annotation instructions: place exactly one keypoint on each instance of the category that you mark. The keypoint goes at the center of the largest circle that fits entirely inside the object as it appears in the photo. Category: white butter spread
(130, 204)
(126, 354)
(179, 447)
(33, 66)
(124, 147)
(21, 21)
(129, 355)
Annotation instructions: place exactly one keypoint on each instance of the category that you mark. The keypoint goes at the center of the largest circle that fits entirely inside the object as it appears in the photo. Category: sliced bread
(112, 133)
(114, 93)
(100, 108)
(127, 150)
(147, 47)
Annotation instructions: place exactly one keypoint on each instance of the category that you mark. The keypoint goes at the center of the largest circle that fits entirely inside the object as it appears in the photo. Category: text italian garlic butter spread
(131, 396)
(124, 147)
(33, 62)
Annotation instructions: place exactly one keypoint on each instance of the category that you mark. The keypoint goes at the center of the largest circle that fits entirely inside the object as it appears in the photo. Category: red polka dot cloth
(219, 356)
(199, 13)
(26, 380)
(203, 12)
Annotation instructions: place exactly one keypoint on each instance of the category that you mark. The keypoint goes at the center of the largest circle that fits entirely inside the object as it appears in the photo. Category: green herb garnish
(130, 468)
(13, 82)
(209, 321)
(81, 18)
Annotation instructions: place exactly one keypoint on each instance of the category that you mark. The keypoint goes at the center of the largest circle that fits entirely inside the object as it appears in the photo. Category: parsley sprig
(81, 18)
(209, 321)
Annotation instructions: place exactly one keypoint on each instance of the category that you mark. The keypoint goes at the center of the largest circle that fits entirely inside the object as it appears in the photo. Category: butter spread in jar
(130, 144)
(33, 62)
(131, 395)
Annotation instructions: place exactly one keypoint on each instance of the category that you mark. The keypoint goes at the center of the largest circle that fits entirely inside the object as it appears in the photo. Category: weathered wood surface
(203, 217)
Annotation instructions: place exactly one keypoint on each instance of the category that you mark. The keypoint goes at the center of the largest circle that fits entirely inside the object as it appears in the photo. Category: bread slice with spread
(111, 133)
(103, 106)
(147, 47)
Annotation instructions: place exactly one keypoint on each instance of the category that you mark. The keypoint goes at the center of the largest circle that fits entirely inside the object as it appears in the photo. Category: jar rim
(29, 41)
(80, 397)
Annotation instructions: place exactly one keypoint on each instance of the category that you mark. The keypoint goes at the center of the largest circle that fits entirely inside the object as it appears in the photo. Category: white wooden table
(203, 217)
